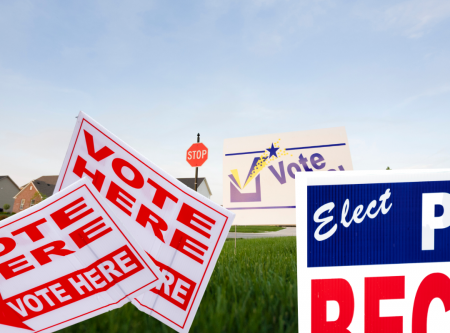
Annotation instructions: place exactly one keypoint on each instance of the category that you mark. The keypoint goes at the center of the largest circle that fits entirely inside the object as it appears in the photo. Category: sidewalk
(289, 231)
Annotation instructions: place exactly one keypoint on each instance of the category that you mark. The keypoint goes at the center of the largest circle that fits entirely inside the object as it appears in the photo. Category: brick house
(34, 192)
(8, 189)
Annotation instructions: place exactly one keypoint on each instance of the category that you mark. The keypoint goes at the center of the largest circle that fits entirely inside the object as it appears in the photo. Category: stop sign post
(196, 155)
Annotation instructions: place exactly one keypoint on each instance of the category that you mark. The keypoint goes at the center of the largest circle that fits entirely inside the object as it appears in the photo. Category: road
(289, 231)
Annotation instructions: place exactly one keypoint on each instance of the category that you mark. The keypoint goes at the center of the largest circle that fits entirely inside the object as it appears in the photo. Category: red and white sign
(181, 230)
(65, 260)
(197, 154)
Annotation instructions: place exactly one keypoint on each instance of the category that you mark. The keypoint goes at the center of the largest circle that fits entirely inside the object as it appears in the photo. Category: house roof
(45, 189)
(45, 185)
(12, 181)
(49, 179)
(190, 182)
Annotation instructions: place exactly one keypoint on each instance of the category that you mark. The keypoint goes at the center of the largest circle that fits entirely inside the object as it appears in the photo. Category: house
(34, 192)
(202, 185)
(8, 189)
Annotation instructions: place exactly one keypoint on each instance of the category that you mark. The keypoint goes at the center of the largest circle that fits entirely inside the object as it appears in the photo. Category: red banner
(99, 276)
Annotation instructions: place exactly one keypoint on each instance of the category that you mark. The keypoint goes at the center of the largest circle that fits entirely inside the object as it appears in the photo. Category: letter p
(429, 221)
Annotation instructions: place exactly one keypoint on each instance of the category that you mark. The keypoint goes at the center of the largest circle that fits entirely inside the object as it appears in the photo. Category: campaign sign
(259, 171)
(374, 251)
(182, 231)
(65, 260)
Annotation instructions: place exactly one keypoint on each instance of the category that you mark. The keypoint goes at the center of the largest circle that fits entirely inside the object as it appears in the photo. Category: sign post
(372, 251)
(196, 155)
(196, 168)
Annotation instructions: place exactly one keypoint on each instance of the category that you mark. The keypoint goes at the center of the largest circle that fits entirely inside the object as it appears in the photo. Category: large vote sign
(374, 251)
(259, 171)
(65, 260)
(182, 231)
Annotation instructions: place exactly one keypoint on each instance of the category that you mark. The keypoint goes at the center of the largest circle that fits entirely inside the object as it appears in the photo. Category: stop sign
(197, 154)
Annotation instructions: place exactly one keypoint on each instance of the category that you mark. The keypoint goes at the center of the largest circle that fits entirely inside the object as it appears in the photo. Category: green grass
(5, 215)
(255, 228)
(252, 291)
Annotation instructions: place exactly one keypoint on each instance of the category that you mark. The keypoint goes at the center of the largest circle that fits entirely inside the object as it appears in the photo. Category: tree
(388, 168)
(6, 207)
(40, 195)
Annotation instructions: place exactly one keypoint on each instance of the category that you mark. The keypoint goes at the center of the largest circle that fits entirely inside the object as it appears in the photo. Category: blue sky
(156, 72)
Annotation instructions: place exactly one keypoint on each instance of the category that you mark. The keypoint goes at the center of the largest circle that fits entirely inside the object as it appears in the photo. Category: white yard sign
(259, 171)
(65, 260)
(182, 231)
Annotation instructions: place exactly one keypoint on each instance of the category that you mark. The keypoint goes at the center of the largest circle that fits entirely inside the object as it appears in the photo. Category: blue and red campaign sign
(373, 250)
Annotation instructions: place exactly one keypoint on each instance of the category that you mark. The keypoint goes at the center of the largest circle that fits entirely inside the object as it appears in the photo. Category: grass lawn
(252, 291)
(255, 228)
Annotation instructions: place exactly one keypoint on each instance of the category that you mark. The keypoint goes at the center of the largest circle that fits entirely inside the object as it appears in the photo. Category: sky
(156, 73)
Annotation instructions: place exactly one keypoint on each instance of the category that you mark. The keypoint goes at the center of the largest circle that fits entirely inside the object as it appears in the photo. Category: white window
(32, 202)
(22, 203)
(31, 188)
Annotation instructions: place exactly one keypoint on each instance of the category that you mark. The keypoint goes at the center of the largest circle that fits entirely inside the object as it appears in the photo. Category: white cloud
(442, 90)
(33, 155)
(268, 26)
(15, 17)
(412, 18)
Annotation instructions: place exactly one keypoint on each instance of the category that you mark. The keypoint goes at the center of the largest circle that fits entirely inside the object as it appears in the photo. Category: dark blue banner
(373, 224)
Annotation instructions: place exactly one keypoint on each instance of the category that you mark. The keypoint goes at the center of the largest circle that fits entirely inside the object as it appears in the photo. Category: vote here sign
(373, 251)
(181, 231)
(65, 260)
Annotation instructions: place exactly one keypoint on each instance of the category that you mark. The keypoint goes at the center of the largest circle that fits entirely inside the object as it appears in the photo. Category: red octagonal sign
(197, 154)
